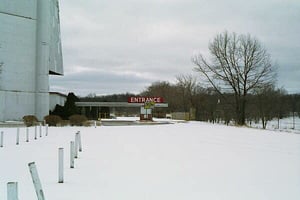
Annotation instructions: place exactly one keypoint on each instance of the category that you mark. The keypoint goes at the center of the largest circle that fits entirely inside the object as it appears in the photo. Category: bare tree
(187, 85)
(168, 91)
(239, 64)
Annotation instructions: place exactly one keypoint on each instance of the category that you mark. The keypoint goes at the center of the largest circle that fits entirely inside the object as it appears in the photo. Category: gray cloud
(99, 82)
(132, 43)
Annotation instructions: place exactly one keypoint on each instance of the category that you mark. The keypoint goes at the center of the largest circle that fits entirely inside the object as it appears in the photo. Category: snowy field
(181, 161)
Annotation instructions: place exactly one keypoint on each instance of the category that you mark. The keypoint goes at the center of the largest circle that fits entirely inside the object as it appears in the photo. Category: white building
(56, 98)
(30, 50)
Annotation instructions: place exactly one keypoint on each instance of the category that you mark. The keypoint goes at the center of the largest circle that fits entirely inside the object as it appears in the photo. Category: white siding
(26, 8)
(27, 54)
(17, 53)
(15, 105)
(57, 99)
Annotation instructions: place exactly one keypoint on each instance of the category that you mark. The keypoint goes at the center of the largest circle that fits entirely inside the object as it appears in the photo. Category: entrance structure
(30, 50)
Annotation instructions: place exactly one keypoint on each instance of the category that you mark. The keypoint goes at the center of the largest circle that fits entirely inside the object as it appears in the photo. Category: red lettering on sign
(145, 99)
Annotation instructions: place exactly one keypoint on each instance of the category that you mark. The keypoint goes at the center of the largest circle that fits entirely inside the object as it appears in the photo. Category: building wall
(30, 48)
(14, 104)
(56, 98)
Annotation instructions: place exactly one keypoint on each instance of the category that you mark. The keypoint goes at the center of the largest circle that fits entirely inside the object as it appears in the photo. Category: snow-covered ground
(181, 161)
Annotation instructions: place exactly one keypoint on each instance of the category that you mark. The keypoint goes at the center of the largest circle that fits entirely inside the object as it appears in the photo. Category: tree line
(262, 105)
(188, 95)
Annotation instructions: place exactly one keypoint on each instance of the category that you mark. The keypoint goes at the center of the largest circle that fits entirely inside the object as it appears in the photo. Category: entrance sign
(147, 104)
(145, 99)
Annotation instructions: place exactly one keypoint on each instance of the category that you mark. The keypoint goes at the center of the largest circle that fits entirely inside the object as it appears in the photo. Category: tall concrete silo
(30, 50)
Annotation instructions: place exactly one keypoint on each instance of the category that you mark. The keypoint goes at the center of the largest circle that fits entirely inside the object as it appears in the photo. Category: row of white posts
(27, 134)
(75, 147)
(12, 187)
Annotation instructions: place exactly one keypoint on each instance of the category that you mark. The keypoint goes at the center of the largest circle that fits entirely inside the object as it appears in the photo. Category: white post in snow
(60, 165)
(35, 132)
(76, 146)
(72, 149)
(47, 129)
(1, 139)
(40, 129)
(36, 181)
(27, 134)
(12, 191)
(78, 135)
(95, 124)
(18, 136)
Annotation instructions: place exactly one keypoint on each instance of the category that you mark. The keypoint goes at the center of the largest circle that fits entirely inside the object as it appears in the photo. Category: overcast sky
(125, 45)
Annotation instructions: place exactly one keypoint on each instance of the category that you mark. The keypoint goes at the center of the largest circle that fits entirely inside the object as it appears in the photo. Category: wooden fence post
(60, 165)
(1, 139)
(12, 191)
(18, 136)
(72, 149)
(36, 181)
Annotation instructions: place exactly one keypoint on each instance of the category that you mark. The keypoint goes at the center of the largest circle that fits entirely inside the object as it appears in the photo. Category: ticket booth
(146, 114)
